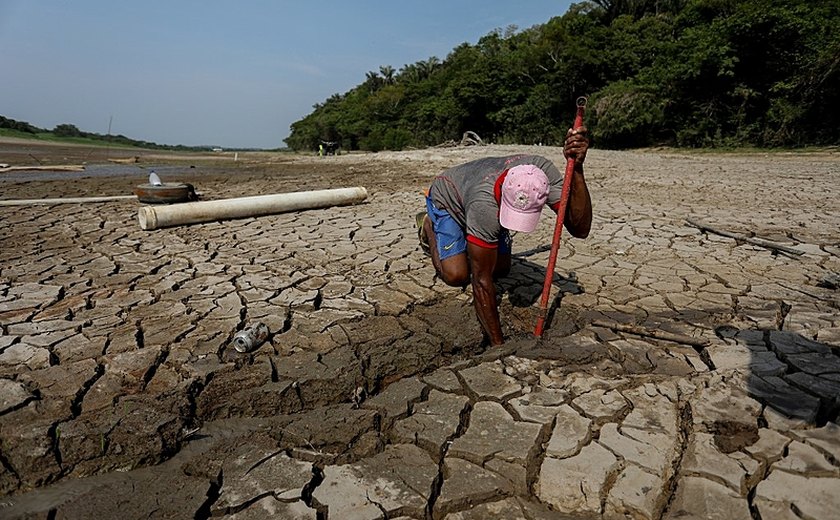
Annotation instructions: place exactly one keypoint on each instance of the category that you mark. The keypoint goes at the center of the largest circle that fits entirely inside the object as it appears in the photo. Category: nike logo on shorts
(450, 246)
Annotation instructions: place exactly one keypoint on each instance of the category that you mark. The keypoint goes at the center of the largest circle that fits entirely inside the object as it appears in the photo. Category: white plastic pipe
(154, 217)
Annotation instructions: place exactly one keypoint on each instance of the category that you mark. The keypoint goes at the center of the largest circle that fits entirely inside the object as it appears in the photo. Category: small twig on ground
(744, 238)
(651, 333)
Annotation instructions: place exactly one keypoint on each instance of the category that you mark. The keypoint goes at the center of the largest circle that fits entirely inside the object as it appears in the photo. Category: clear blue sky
(232, 74)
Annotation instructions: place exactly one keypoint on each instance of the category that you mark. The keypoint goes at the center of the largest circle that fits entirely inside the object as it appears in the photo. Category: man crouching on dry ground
(471, 208)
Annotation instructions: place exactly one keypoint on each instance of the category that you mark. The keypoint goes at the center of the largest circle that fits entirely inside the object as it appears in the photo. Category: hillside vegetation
(68, 133)
(689, 73)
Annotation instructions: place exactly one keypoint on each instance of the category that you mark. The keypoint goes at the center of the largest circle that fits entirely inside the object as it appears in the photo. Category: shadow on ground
(795, 377)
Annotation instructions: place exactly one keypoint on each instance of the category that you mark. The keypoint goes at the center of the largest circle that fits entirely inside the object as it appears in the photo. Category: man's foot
(420, 220)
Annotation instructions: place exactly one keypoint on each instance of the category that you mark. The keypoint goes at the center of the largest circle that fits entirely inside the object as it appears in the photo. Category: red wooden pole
(558, 226)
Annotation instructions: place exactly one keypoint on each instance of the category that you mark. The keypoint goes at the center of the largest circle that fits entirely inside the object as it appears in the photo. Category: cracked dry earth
(376, 397)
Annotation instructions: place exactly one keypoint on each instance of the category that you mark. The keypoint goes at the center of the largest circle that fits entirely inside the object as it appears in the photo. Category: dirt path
(376, 396)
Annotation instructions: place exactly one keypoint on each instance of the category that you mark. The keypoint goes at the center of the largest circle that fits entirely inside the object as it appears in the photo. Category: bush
(626, 115)
(396, 139)
(372, 141)
(20, 126)
(67, 130)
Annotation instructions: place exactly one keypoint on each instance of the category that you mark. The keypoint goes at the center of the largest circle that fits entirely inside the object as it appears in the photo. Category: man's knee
(455, 275)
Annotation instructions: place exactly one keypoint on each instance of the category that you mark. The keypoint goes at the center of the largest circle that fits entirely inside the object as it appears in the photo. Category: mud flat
(376, 397)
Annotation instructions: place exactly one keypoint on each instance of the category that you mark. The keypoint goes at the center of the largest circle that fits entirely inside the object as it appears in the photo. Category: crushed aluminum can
(251, 338)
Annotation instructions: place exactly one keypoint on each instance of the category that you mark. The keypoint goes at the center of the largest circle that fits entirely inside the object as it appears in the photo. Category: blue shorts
(450, 236)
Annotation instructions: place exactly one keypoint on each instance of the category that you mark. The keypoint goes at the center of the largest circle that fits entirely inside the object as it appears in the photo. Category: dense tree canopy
(677, 72)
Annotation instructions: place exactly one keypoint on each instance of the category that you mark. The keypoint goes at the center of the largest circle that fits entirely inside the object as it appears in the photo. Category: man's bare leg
(455, 270)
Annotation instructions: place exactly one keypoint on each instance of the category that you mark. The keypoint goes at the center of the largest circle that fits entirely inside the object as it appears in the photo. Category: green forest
(686, 73)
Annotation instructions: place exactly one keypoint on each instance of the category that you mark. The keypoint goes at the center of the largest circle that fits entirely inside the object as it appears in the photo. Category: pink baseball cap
(524, 192)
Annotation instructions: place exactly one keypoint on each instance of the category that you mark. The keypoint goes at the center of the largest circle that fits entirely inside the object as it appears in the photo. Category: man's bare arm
(482, 263)
(578, 218)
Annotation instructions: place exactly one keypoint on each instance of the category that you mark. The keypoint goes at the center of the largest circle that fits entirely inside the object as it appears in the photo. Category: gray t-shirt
(467, 192)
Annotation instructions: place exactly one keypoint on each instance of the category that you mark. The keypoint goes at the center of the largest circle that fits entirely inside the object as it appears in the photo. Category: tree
(372, 81)
(20, 126)
(387, 72)
(428, 67)
(67, 130)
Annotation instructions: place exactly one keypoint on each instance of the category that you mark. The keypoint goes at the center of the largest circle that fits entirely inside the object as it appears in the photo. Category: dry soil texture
(683, 375)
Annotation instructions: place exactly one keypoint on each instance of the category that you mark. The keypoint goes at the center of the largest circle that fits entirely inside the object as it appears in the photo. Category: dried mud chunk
(813, 497)
(398, 481)
(488, 381)
(702, 498)
(466, 485)
(574, 485)
(433, 421)
(493, 433)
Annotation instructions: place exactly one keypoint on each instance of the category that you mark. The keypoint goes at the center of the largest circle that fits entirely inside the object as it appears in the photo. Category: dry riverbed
(683, 373)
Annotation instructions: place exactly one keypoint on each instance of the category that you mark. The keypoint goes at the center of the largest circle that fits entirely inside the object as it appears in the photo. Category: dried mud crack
(682, 372)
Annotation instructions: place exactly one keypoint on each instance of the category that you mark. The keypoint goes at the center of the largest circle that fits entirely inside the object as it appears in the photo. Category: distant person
(471, 208)
(321, 150)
